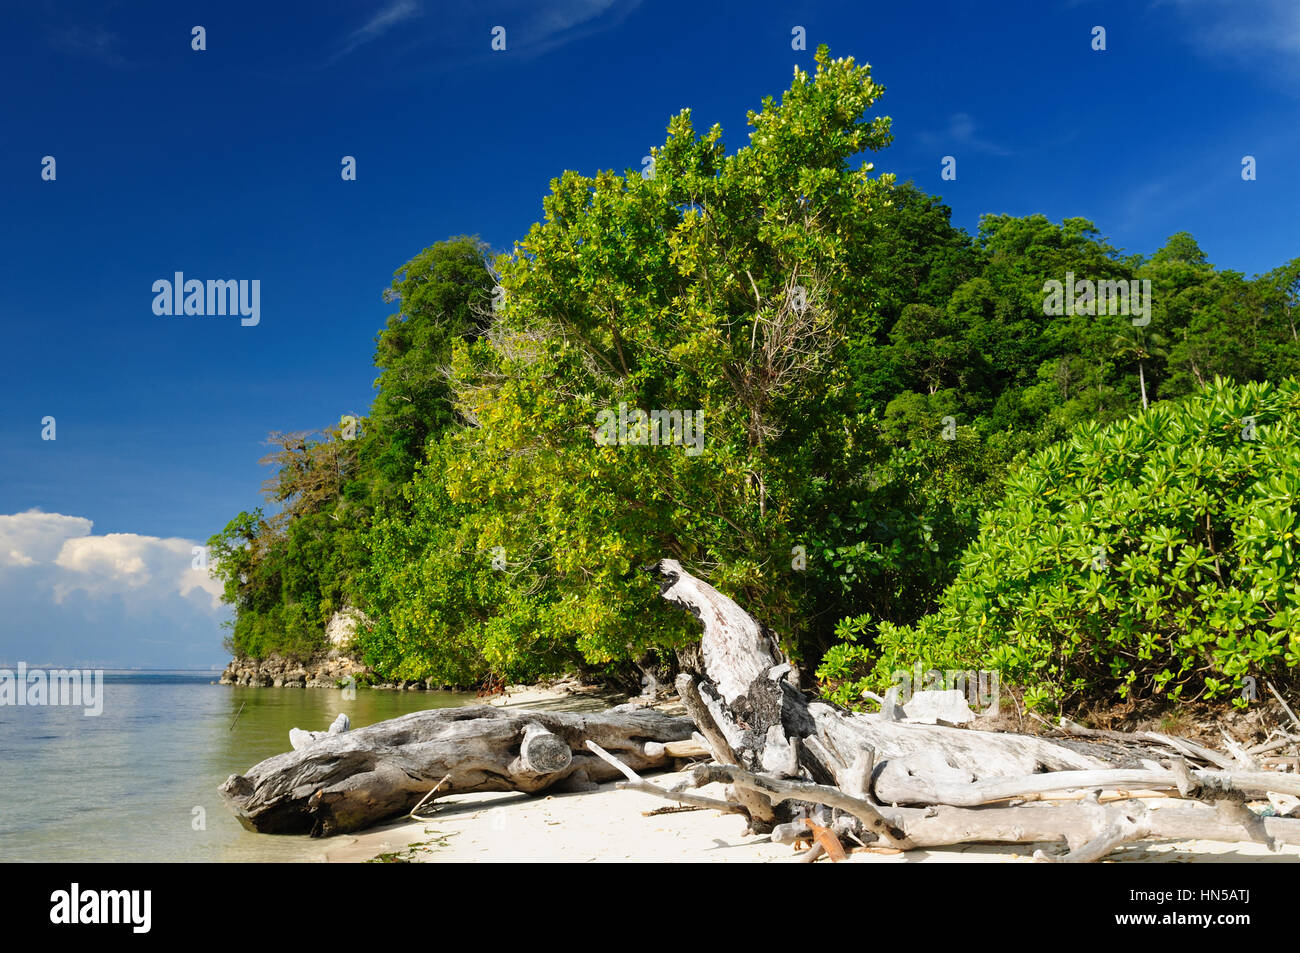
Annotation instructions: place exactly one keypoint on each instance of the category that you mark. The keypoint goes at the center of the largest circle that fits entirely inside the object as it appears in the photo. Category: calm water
(123, 786)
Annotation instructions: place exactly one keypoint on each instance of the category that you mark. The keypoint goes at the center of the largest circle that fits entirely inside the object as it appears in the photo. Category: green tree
(1155, 556)
(445, 298)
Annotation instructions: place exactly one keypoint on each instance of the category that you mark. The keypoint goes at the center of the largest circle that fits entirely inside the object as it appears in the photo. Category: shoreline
(331, 670)
(609, 825)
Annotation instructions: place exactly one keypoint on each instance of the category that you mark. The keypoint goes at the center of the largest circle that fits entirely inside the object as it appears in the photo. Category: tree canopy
(773, 364)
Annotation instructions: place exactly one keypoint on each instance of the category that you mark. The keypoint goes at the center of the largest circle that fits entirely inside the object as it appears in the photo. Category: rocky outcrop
(341, 631)
(330, 669)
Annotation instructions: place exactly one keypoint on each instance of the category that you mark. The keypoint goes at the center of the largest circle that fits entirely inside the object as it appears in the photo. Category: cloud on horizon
(69, 591)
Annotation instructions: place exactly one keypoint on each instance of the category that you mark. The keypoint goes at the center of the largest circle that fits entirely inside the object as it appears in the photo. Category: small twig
(1239, 754)
(425, 798)
(1037, 717)
(237, 714)
(673, 809)
(1273, 745)
(1282, 702)
(635, 782)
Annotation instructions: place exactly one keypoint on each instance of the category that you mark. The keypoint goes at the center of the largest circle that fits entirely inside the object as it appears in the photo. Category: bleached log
(900, 788)
(1122, 825)
(737, 649)
(1286, 805)
(1184, 746)
(299, 739)
(344, 782)
(709, 717)
(757, 808)
(856, 781)
(739, 721)
(540, 752)
(677, 749)
(1076, 822)
(938, 707)
(760, 720)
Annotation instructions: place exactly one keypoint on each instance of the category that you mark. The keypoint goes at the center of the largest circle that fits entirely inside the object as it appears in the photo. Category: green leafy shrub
(1155, 556)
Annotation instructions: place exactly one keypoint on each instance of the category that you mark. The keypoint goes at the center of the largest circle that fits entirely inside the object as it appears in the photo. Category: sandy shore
(610, 826)
(566, 695)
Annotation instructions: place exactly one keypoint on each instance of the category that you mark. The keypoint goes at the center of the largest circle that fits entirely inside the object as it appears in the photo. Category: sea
(138, 782)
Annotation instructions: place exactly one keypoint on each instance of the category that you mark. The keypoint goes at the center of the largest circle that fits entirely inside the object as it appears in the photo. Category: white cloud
(547, 27)
(56, 555)
(114, 558)
(532, 29)
(383, 21)
(1243, 30)
(31, 538)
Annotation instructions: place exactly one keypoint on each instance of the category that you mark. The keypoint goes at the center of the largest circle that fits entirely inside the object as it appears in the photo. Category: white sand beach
(609, 825)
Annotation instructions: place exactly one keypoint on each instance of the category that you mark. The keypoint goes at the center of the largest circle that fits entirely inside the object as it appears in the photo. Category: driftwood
(346, 781)
(299, 739)
(1183, 746)
(635, 782)
(799, 767)
(793, 766)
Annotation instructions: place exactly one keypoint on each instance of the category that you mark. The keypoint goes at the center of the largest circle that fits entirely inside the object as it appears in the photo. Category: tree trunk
(347, 781)
(789, 757)
(755, 718)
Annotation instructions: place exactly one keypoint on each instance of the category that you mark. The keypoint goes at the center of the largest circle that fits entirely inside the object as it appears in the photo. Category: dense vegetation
(1154, 555)
(867, 380)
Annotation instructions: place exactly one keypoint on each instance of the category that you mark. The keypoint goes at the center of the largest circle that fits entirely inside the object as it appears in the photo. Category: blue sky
(225, 163)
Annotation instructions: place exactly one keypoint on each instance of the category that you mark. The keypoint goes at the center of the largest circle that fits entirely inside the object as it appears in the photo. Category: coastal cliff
(332, 667)
(327, 670)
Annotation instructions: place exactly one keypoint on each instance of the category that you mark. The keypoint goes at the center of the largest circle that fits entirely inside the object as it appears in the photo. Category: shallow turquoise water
(139, 782)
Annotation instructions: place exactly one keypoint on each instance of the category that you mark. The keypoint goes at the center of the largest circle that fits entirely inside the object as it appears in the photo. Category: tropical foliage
(862, 380)
(1156, 555)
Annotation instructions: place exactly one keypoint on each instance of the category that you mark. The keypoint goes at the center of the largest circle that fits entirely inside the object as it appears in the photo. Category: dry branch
(635, 782)
(787, 755)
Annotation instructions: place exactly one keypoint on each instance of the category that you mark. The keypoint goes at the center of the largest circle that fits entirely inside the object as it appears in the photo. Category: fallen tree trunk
(346, 781)
(789, 758)
(767, 725)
